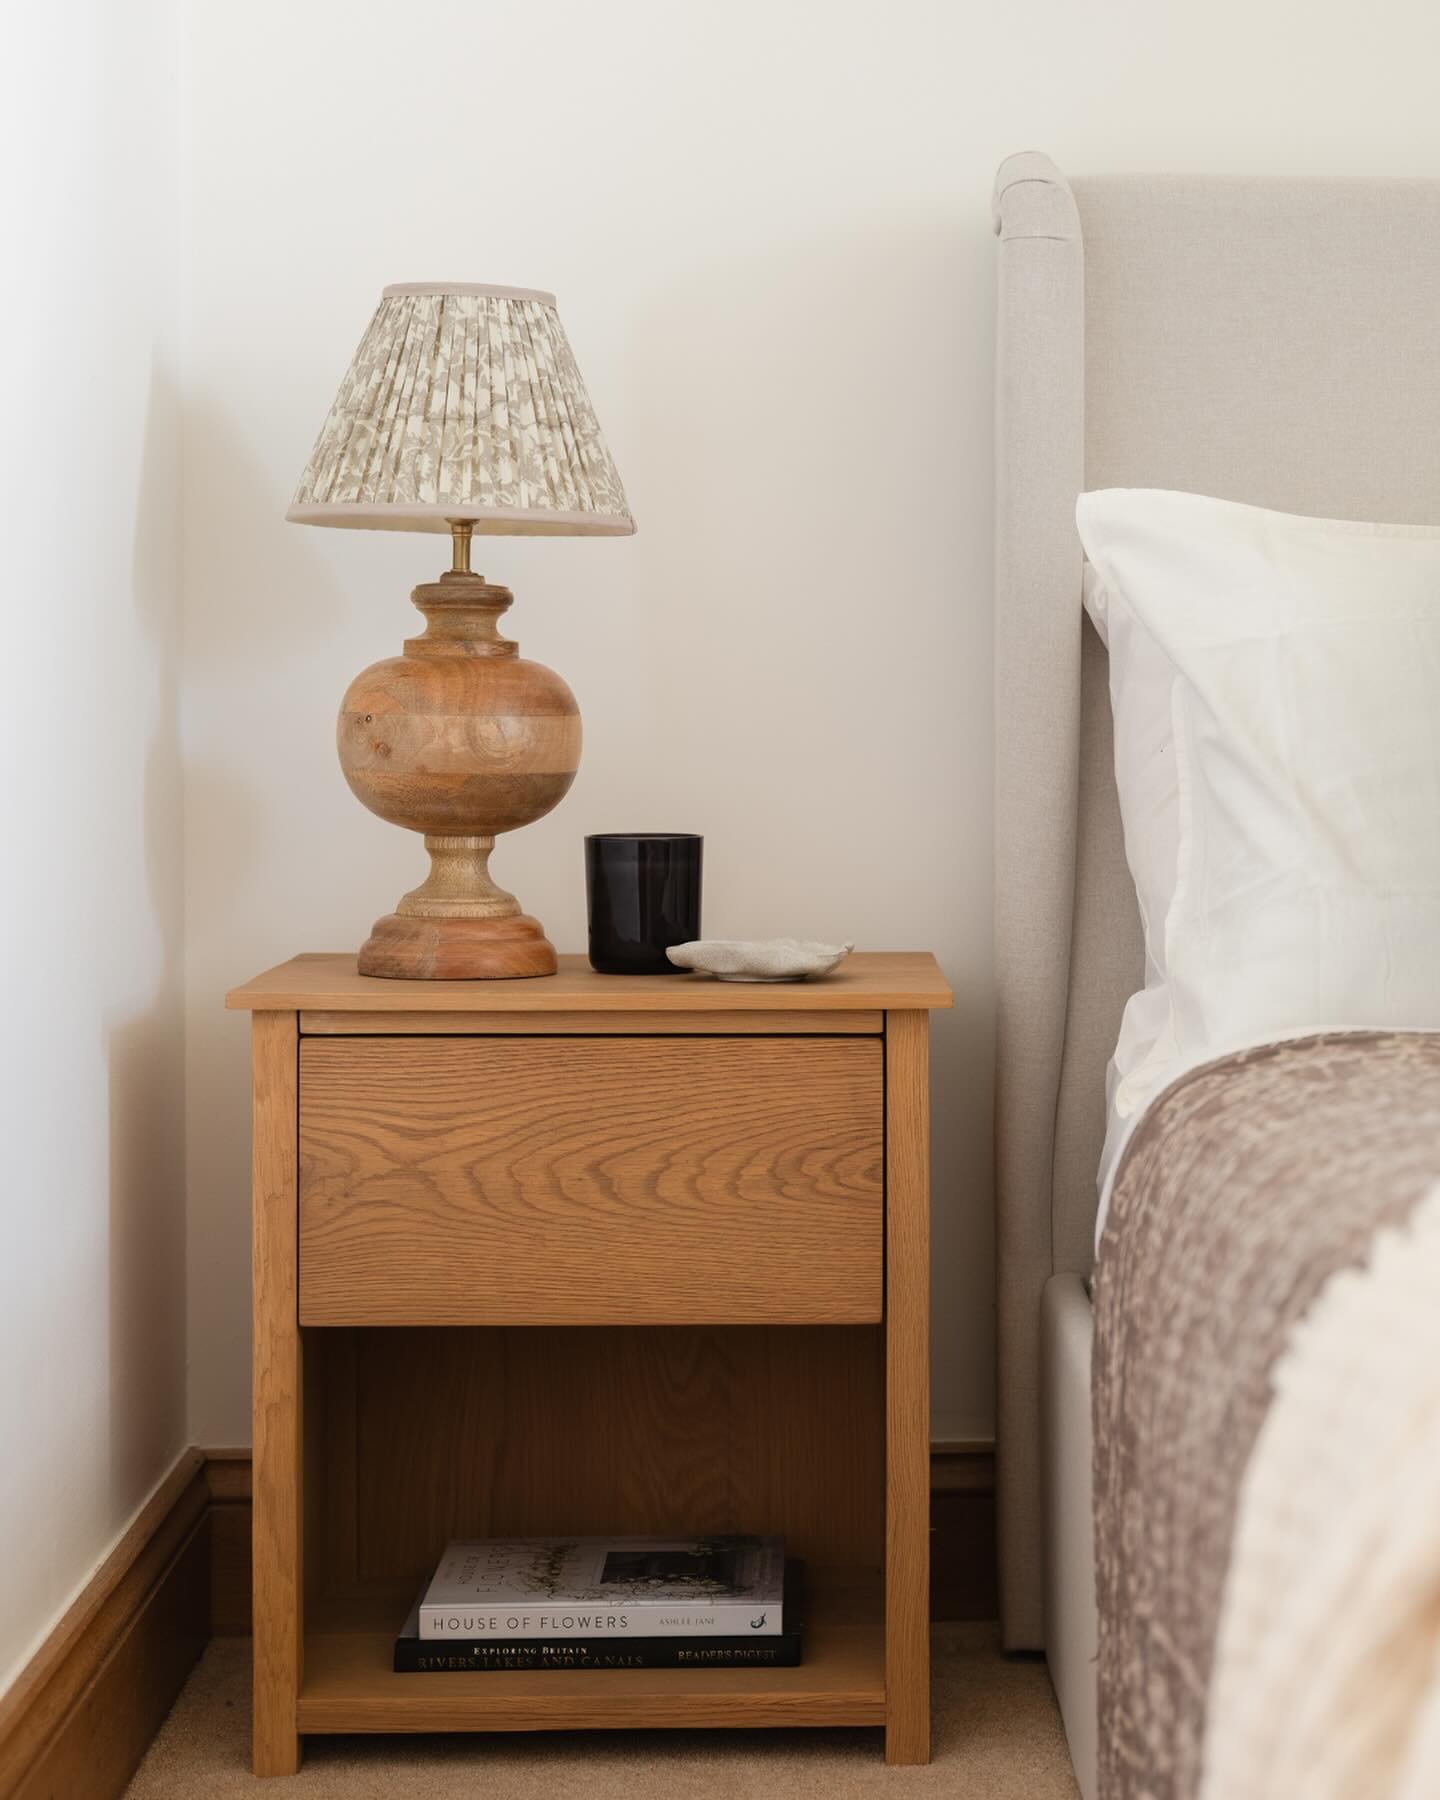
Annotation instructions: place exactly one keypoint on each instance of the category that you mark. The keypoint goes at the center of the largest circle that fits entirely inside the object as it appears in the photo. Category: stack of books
(607, 1603)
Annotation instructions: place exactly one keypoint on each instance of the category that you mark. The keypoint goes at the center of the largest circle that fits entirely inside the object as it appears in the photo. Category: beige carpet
(997, 1736)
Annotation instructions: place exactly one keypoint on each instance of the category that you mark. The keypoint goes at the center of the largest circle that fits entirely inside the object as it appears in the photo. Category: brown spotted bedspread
(1246, 1186)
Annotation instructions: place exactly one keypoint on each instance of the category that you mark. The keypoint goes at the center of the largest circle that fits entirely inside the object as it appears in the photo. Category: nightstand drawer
(603, 1180)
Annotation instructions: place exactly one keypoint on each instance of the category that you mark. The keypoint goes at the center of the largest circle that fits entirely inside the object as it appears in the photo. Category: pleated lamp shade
(463, 402)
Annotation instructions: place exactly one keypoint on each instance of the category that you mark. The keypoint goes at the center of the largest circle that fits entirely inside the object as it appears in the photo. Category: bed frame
(1274, 341)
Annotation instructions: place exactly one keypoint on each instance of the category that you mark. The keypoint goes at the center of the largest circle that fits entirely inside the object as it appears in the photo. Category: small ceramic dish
(769, 959)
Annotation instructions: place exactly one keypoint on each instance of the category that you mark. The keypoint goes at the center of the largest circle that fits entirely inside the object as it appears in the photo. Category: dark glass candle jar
(643, 890)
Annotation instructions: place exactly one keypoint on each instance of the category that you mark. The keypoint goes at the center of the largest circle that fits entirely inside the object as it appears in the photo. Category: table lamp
(462, 411)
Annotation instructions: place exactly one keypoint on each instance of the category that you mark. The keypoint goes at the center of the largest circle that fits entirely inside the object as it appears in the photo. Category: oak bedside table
(588, 1254)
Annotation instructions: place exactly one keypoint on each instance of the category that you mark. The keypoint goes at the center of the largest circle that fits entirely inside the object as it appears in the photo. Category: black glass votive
(643, 890)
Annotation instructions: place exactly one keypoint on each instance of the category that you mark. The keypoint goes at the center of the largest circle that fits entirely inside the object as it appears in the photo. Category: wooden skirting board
(83, 1713)
(228, 1473)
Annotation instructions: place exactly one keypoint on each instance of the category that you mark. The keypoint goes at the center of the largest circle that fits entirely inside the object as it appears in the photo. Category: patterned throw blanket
(1247, 1186)
(1327, 1664)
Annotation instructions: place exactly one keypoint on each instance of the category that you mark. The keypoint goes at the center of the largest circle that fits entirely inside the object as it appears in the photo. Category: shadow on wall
(275, 847)
(144, 1050)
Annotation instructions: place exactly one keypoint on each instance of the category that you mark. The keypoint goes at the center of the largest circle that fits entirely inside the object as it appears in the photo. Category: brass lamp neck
(460, 534)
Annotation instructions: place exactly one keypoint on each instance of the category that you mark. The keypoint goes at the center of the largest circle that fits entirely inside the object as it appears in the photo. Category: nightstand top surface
(879, 979)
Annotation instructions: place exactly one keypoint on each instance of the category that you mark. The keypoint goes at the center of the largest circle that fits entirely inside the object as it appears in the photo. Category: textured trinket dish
(771, 959)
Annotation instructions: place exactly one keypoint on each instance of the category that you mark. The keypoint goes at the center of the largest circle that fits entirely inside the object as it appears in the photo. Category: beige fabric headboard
(1275, 341)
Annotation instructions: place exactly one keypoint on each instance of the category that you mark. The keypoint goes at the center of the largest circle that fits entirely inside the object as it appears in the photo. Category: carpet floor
(997, 1736)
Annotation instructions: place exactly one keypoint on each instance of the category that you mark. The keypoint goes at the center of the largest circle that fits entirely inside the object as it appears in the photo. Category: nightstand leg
(278, 1591)
(907, 1388)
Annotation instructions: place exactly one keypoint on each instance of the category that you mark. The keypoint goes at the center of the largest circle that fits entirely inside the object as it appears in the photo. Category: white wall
(767, 222)
(92, 1319)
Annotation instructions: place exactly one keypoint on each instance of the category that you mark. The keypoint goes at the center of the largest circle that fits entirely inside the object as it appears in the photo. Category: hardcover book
(611, 1589)
(758, 1650)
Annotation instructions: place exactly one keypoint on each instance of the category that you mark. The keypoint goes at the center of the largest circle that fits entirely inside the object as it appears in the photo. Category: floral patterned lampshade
(463, 403)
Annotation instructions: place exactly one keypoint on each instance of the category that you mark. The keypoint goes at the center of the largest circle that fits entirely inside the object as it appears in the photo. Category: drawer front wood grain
(592, 1181)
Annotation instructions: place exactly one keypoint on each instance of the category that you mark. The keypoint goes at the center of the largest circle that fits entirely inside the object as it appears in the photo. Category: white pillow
(1142, 691)
(1276, 688)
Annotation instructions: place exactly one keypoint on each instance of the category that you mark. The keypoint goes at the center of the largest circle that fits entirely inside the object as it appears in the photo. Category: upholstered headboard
(1274, 341)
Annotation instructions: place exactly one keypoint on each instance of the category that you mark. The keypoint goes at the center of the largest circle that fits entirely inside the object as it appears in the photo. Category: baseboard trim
(82, 1713)
(962, 1531)
(227, 1473)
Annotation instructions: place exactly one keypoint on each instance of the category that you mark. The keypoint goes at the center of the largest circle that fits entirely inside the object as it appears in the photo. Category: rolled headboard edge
(1040, 460)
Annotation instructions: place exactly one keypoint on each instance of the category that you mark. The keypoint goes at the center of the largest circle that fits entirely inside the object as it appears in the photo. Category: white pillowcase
(1276, 688)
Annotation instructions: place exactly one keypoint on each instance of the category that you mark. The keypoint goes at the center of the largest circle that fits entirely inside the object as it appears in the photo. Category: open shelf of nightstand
(349, 1684)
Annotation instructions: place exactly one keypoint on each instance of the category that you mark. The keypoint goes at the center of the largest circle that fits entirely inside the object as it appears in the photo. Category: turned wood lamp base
(407, 949)
(460, 739)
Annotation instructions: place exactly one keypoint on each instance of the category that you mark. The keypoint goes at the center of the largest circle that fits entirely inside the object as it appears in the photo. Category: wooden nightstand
(588, 1254)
